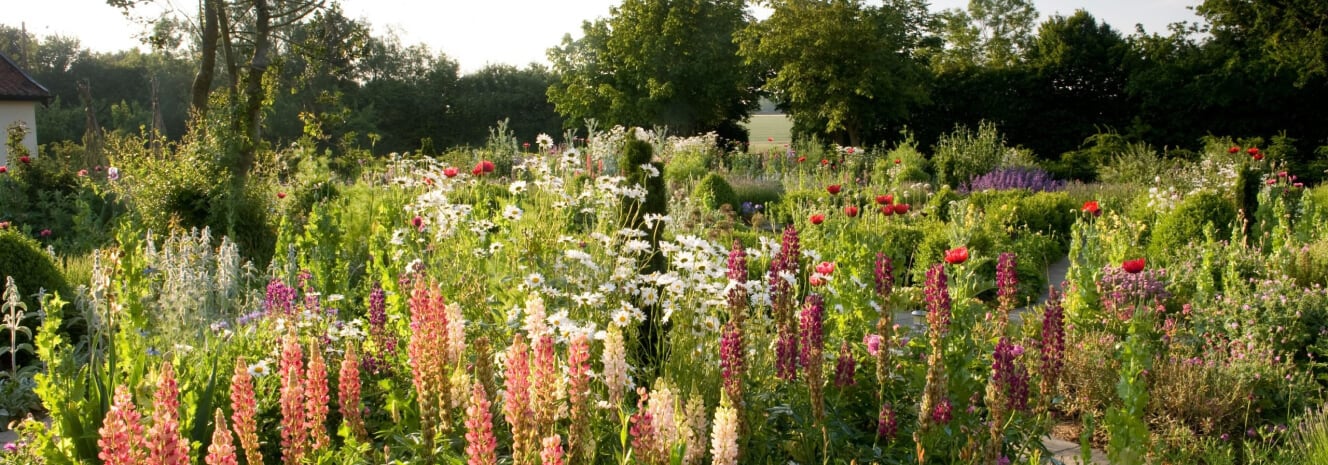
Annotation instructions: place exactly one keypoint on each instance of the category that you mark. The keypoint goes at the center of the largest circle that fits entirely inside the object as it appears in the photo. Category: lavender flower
(1017, 177)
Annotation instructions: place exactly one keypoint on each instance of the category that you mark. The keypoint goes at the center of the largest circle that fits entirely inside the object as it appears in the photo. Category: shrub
(1186, 222)
(757, 192)
(1019, 177)
(30, 266)
(687, 165)
(713, 191)
(964, 154)
(940, 203)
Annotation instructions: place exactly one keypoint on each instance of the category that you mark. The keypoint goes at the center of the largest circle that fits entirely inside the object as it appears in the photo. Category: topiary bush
(713, 191)
(30, 266)
(1186, 222)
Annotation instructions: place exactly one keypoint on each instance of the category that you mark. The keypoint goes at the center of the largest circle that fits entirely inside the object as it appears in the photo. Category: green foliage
(940, 204)
(713, 191)
(687, 166)
(1186, 222)
(757, 192)
(964, 154)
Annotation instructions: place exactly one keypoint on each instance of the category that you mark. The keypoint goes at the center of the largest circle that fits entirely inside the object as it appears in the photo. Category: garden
(619, 295)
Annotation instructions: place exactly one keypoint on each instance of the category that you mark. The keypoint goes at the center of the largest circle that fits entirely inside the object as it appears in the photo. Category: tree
(1291, 34)
(990, 33)
(503, 92)
(656, 62)
(841, 67)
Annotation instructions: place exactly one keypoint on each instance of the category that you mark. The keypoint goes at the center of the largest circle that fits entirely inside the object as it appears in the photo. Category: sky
(477, 33)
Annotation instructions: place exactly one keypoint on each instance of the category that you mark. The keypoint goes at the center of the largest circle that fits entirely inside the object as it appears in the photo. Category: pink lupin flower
(316, 398)
(516, 403)
(886, 424)
(222, 450)
(643, 429)
(121, 432)
(480, 441)
(578, 395)
(244, 411)
(294, 433)
(166, 446)
(552, 453)
(544, 384)
(732, 363)
(348, 394)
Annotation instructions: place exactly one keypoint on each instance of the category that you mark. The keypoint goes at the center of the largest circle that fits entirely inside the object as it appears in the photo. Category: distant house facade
(19, 96)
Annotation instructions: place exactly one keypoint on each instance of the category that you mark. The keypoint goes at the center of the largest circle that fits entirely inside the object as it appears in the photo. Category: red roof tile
(17, 85)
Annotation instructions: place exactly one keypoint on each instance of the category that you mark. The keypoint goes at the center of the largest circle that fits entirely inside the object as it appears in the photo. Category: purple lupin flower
(885, 276)
(1052, 342)
(737, 277)
(786, 261)
(1007, 284)
(938, 300)
(845, 367)
(886, 424)
(280, 298)
(943, 412)
(786, 354)
(731, 361)
(1010, 377)
(812, 330)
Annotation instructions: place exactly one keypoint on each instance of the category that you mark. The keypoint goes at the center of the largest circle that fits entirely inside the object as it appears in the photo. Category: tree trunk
(253, 91)
(207, 64)
(232, 71)
(158, 123)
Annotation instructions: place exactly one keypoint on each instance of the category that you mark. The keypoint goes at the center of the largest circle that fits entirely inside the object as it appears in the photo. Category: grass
(768, 132)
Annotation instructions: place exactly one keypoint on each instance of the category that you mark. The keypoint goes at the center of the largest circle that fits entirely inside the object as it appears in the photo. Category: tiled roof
(17, 85)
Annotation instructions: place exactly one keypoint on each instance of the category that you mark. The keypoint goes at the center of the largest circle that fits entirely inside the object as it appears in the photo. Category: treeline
(1072, 90)
(329, 76)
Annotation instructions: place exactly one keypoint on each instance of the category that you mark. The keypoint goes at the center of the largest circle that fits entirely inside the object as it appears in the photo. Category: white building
(19, 96)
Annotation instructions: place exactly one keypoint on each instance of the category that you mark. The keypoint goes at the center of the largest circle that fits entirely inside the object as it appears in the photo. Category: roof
(18, 85)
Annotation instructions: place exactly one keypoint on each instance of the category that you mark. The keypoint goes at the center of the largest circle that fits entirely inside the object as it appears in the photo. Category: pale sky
(476, 33)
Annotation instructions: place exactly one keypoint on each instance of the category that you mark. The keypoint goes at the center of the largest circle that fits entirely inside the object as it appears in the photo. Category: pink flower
(82, 173)
(481, 445)
(825, 268)
(873, 343)
(121, 432)
(450, 172)
(4, 169)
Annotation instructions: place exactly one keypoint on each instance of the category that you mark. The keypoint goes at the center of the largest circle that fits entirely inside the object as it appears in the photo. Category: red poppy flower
(477, 170)
(417, 222)
(525, 145)
(901, 208)
(817, 218)
(428, 181)
(825, 162)
(487, 165)
(886, 199)
(1258, 156)
(1091, 207)
(898, 161)
(1272, 181)
(4, 169)
(802, 159)
(816, 281)
(4, 225)
(1133, 266)
(850, 150)
(45, 233)
(851, 211)
(1252, 150)
(1233, 149)
(25, 159)
(1281, 174)
(281, 195)
(450, 172)
(833, 189)
(769, 139)
(956, 255)
(82, 173)
(887, 210)
(825, 268)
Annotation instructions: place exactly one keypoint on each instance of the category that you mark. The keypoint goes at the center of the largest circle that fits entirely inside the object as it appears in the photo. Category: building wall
(17, 111)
